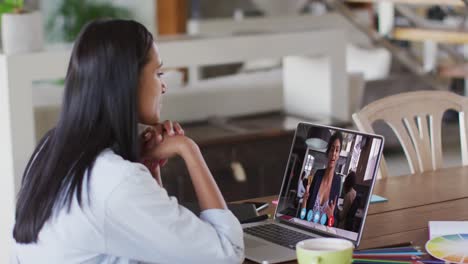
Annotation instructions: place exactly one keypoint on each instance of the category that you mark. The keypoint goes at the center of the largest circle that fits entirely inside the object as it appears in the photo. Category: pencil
(415, 253)
(381, 261)
(403, 244)
(409, 257)
(389, 249)
(384, 261)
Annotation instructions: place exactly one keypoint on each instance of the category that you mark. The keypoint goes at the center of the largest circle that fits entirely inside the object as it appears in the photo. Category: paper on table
(377, 199)
(441, 228)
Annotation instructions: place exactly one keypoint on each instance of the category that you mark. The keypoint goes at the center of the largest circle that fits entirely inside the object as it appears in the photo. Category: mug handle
(315, 260)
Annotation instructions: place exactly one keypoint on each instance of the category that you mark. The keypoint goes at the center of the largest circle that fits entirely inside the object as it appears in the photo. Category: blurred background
(243, 73)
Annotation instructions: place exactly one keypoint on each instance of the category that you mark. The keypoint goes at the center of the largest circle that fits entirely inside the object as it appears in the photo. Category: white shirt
(131, 219)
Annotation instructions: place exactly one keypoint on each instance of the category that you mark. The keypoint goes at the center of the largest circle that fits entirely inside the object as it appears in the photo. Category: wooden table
(413, 201)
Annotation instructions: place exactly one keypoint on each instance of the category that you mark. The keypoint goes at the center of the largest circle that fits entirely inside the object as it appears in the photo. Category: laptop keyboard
(277, 234)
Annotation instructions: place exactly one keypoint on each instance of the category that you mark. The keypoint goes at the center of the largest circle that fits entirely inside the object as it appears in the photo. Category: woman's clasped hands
(159, 143)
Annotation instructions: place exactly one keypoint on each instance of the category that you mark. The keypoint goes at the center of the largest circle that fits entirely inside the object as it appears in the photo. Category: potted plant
(21, 30)
(70, 16)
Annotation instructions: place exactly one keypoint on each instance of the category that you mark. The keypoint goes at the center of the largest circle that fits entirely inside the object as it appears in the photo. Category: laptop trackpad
(253, 243)
(260, 251)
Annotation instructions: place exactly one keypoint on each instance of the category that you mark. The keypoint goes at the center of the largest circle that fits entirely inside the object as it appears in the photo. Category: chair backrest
(416, 120)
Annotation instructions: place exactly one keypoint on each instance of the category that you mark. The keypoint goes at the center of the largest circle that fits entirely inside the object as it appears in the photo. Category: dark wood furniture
(260, 144)
(413, 201)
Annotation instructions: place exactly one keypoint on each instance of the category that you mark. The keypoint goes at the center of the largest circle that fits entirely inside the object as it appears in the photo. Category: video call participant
(322, 195)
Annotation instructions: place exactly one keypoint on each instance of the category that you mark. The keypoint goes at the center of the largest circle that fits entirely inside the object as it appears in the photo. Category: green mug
(325, 251)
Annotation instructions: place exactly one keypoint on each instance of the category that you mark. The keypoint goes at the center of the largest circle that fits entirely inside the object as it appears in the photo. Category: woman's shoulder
(337, 179)
(110, 170)
(109, 162)
(319, 173)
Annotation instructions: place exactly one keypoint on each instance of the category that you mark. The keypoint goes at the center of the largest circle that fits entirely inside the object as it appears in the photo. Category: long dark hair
(99, 111)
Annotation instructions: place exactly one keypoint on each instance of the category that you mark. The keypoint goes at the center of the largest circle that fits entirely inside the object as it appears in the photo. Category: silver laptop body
(263, 251)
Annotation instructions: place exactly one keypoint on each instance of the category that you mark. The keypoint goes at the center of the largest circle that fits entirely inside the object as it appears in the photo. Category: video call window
(330, 177)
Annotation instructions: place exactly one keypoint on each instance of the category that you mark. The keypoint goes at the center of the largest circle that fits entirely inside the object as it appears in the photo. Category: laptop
(328, 168)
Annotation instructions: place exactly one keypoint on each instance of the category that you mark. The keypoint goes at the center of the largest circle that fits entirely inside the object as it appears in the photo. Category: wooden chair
(416, 119)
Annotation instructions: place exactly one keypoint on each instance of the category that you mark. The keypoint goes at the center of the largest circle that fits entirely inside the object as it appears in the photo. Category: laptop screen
(329, 179)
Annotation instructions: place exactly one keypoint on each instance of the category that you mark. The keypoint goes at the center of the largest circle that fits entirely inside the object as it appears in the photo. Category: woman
(350, 195)
(322, 195)
(85, 196)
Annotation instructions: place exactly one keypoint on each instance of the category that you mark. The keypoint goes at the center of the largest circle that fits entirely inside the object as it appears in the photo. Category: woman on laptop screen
(322, 195)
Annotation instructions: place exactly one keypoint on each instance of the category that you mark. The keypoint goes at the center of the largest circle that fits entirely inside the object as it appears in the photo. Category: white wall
(7, 184)
(143, 10)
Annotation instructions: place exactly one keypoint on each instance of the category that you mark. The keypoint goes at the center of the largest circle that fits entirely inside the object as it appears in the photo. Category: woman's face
(150, 89)
(334, 153)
